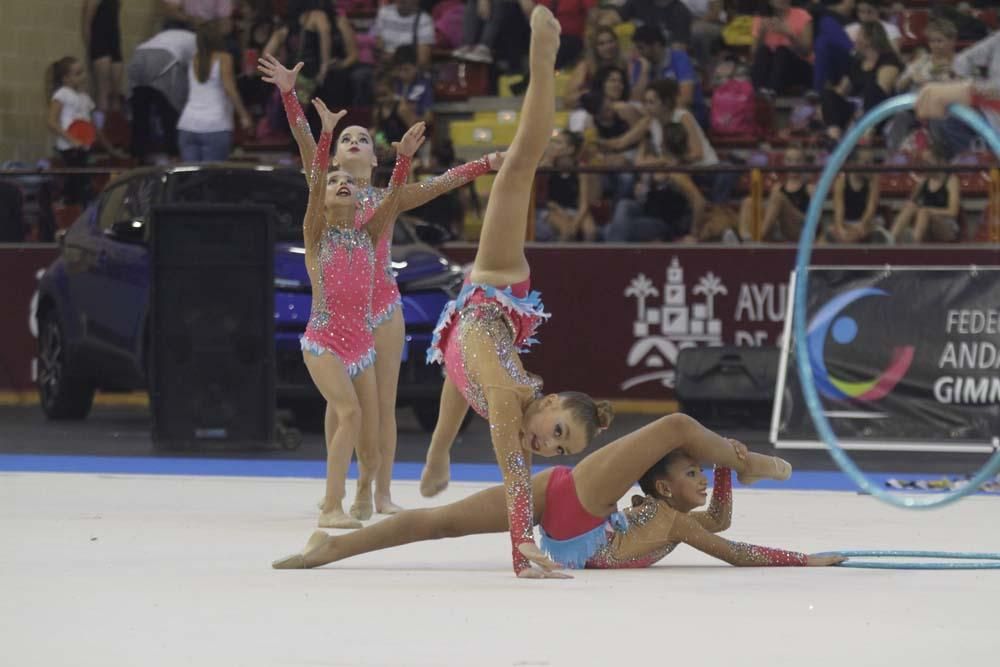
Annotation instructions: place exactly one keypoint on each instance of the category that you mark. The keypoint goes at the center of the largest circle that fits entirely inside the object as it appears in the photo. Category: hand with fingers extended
(538, 573)
(328, 118)
(412, 140)
(546, 567)
(824, 560)
(273, 71)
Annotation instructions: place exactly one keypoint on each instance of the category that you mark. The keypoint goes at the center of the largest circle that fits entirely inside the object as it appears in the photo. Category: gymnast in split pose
(354, 153)
(338, 345)
(577, 508)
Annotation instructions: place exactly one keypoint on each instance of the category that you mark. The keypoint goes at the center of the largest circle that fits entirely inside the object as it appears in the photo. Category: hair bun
(605, 414)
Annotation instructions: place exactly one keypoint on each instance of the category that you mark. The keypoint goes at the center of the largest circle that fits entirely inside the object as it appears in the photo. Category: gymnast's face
(355, 149)
(340, 190)
(685, 485)
(551, 430)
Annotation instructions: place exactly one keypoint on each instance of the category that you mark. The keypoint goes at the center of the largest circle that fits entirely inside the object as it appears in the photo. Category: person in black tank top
(855, 205)
(566, 214)
(785, 208)
(934, 206)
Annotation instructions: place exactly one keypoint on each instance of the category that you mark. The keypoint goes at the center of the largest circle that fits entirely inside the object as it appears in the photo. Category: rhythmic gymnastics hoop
(986, 561)
(835, 162)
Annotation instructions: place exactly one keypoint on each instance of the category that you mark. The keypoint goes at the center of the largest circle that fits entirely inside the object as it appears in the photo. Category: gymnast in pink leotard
(354, 154)
(338, 346)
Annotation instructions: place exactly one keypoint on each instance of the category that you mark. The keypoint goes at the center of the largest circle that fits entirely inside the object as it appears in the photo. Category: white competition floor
(103, 569)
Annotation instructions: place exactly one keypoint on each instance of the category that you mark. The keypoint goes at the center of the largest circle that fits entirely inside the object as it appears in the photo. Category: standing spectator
(934, 204)
(671, 63)
(403, 23)
(566, 215)
(785, 210)
(102, 39)
(205, 128)
(855, 205)
(869, 10)
(602, 49)
(832, 47)
(572, 16)
(158, 88)
(481, 22)
(672, 17)
(189, 14)
(869, 82)
(782, 49)
(70, 107)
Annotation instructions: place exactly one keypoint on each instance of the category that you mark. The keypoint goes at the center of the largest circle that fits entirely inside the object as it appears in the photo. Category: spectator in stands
(607, 116)
(856, 204)
(205, 128)
(708, 19)
(832, 47)
(189, 14)
(935, 65)
(481, 25)
(602, 49)
(933, 208)
(672, 63)
(400, 23)
(785, 210)
(572, 16)
(870, 10)
(782, 49)
(70, 108)
(411, 85)
(103, 41)
(980, 62)
(391, 115)
(667, 205)
(318, 35)
(157, 78)
(870, 81)
(672, 17)
(566, 215)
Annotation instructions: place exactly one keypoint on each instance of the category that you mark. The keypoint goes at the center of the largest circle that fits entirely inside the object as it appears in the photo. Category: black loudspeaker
(728, 386)
(212, 325)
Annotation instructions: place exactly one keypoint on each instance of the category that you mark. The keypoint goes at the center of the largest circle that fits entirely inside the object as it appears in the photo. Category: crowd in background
(665, 84)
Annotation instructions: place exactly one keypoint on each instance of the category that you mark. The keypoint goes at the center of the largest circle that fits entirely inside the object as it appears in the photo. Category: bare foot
(384, 505)
(298, 561)
(545, 31)
(436, 475)
(765, 467)
(336, 518)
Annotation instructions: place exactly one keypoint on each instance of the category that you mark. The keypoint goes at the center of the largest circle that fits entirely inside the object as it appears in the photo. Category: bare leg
(902, 220)
(745, 220)
(330, 376)
(606, 475)
(342, 457)
(115, 93)
(772, 211)
(920, 225)
(369, 457)
(388, 356)
(482, 512)
(102, 81)
(437, 470)
(500, 259)
(792, 220)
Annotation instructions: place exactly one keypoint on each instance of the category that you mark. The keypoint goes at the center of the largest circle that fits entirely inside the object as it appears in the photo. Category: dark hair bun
(605, 414)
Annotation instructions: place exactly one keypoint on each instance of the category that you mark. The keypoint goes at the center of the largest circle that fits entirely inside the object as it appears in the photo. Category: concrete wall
(33, 34)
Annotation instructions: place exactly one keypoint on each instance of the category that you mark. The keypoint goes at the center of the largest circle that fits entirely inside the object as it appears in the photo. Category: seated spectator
(979, 62)
(870, 10)
(672, 63)
(392, 116)
(832, 47)
(205, 128)
(786, 206)
(602, 50)
(481, 25)
(671, 17)
(157, 78)
(782, 49)
(934, 205)
(400, 23)
(566, 215)
(102, 40)
(411, 85)
(706, 28)
(935, 65)
(855, 205)
(572, 16)
(870, 81)
(667, 206)
(318, 35)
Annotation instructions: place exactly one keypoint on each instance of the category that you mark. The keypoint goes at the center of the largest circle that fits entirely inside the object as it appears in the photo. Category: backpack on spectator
(734, 108)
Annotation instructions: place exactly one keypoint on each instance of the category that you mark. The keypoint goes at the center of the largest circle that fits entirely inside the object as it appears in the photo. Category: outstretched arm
(284, 78)
(389, 207)
(313, 225)
(719, 515)
(418, 194)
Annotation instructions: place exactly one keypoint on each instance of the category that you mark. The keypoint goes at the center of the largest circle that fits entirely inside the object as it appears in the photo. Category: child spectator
(787, 202)
(934, 205)
(782, 49)
(566, 215)
(415, 88)
(855, 205)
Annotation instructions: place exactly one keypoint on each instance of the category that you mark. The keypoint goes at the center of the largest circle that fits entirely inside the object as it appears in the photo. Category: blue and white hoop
(945, 560)
(833, 165)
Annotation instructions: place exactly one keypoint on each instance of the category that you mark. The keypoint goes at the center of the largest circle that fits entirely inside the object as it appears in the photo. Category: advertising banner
(903, 358)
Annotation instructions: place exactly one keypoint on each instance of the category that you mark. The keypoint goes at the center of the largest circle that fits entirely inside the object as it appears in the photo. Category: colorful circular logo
(844, 331)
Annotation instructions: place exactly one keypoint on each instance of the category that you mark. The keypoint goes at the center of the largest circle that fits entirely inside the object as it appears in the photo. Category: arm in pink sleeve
(719, 515)
(389, 207)
(418, 194)
(316, 172)
(300, 130)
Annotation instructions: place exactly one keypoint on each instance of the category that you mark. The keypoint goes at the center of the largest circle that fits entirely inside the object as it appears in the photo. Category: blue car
(93, 309)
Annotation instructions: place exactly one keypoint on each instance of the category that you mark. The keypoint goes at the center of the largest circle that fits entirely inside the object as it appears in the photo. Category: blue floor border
(802, 480)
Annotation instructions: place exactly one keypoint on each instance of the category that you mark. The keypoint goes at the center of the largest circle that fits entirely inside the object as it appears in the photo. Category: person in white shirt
(868, 10)
(404, 23)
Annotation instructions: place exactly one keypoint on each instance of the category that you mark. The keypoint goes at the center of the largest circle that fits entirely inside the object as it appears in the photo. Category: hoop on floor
(985, 561)
(833, 165)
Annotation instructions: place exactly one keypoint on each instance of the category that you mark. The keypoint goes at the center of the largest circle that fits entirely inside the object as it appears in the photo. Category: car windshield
(284, 189)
